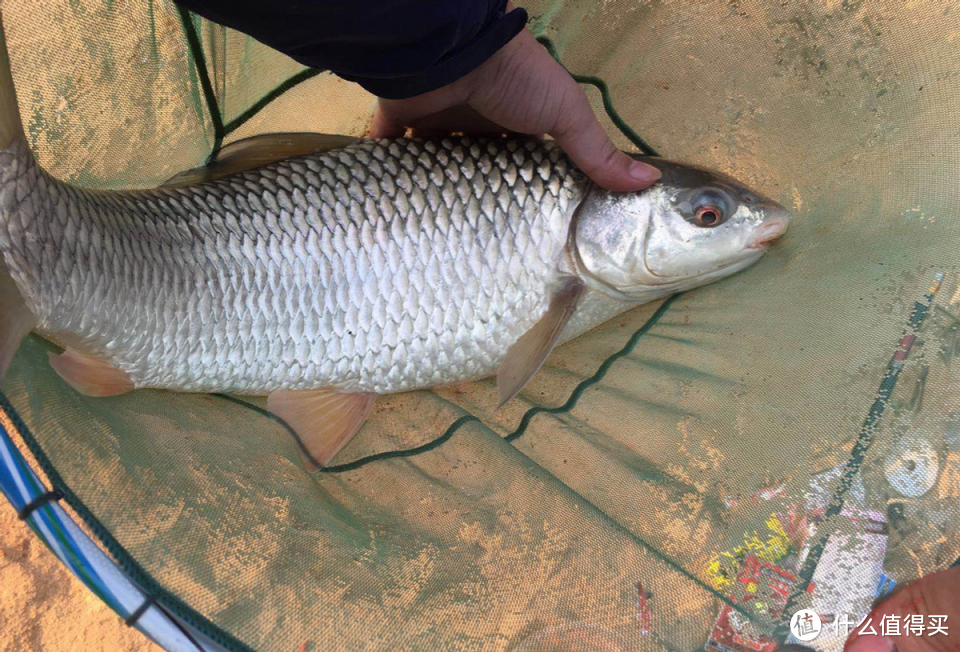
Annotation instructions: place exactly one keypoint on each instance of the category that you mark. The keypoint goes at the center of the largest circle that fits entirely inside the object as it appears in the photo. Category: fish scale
(367, 267)
(382, 266)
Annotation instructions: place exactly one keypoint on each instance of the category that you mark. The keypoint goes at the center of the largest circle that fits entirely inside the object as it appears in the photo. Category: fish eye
(706, 207)
(708, 216)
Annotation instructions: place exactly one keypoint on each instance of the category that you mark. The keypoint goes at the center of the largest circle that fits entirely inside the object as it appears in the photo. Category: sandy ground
(43, 608)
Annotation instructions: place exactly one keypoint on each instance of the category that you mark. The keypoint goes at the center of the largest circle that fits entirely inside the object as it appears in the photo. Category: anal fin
(90, 376)
(324, 420)
(16, 320)
(528, 353)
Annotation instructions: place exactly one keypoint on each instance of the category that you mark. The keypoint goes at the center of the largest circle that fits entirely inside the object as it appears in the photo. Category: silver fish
(348, 268)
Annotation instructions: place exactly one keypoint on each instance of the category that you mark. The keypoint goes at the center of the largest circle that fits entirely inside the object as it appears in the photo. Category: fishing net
(688, 475)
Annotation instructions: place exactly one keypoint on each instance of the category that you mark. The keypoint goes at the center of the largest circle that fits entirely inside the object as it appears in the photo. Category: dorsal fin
(257, 151)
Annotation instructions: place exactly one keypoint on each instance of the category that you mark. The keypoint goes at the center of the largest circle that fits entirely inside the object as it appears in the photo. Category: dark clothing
(393, 48)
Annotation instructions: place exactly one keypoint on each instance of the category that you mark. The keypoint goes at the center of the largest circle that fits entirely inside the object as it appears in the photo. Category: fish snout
(770, 229)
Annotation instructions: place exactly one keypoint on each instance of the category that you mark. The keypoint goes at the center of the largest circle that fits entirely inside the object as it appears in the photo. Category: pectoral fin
(257, 151)
(528, 353)
(89, 375)
(16, 320)
(324, 420)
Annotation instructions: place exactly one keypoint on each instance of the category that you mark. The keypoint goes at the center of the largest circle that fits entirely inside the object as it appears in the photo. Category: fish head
(692, 227)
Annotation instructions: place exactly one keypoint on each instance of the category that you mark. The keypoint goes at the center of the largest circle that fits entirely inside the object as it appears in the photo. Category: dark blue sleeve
(393, 48)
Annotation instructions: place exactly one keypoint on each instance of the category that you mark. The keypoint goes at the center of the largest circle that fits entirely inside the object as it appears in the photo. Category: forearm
(393, 48)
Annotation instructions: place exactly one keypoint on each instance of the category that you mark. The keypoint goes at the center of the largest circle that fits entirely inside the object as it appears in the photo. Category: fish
(323, 271)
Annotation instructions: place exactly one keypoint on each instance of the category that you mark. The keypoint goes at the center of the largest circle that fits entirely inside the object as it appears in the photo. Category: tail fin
(16, 319)
(10, 126)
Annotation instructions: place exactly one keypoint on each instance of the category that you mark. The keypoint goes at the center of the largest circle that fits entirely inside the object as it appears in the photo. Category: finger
(384, 127)
(428, 133)
(458, 119)
(408, 111)
(394, 116)
(935, 595)
(580, 135)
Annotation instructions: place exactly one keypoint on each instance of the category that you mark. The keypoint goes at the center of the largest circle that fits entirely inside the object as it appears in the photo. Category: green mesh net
(685, 476)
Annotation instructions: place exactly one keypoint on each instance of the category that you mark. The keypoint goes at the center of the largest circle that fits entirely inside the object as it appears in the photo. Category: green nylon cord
(133, 569)
(596, 377)
(259, 105)
(221, 130)
(200, 62)
(521, 429)
(568, 405)
(601, 86)
(72, 561)
(126, 561)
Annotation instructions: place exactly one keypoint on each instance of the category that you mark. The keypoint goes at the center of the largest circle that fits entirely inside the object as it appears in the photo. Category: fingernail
(871, 643)
(643, 172)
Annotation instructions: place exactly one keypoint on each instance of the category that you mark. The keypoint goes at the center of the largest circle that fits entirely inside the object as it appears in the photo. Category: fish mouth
(771, 229)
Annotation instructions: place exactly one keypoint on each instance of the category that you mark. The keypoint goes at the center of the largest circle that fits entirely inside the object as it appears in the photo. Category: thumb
(904, 620)
(394, 116)
(579, 134)
(384, 127)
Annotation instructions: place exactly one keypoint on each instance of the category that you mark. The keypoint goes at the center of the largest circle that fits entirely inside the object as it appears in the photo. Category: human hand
(519, 89)
(937, 594)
